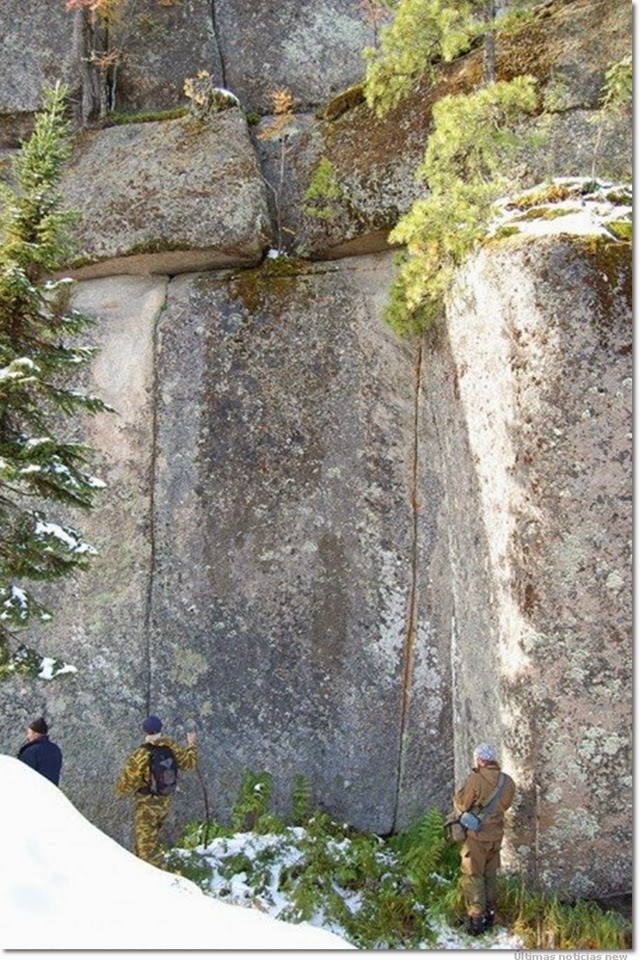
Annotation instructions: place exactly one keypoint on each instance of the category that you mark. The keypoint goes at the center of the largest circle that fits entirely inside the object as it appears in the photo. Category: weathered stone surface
(535, 384)
(264, 569)
(335, 553)
(582, 143)
(100, 623)
(284, 535)
(36, 49)
(160, 45)
(567, 47)
(174, 196)
(314, 50)
(373, 161)
(353, 559)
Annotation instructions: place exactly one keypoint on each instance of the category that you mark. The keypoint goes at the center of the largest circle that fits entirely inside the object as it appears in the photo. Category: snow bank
(65, 885)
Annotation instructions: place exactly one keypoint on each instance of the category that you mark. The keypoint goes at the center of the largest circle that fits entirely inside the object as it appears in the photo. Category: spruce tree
(40, 471)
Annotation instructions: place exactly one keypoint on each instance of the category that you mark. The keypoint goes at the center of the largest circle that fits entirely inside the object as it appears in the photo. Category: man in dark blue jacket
(40, 753)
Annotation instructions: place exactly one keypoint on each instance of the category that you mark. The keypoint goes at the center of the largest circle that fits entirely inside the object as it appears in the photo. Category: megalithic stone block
(175, 196)
(537, 366)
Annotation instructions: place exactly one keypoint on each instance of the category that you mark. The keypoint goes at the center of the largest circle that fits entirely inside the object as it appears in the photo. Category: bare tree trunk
(90, 94)
(489, 58)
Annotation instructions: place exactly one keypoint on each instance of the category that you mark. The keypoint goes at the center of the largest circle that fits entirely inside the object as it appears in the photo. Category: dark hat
(39, 725)
(152, 725)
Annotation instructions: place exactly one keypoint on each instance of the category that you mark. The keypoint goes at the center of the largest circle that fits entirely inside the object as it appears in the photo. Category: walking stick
(205, 795)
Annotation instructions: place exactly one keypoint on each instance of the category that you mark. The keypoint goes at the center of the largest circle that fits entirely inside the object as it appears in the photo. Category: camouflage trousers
(479, 863)
(151, 812)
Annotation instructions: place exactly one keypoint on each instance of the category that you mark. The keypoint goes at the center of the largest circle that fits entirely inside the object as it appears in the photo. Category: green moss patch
(344, 101)
(547, 213)
(552, 193)
(118, 119)
(621, 229)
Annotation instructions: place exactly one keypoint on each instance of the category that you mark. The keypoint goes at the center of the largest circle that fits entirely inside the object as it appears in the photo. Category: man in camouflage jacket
(480, 853)
(151, 811)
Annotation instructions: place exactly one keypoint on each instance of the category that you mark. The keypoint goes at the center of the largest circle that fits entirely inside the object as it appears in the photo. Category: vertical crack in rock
(216, 35)
(410, 636)
(148, 613)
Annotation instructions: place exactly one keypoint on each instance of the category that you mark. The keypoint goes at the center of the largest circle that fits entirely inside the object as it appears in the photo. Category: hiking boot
(489, 918)
(475, 926)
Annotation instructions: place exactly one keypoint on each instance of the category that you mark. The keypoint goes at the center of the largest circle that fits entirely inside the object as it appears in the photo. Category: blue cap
(152, 725)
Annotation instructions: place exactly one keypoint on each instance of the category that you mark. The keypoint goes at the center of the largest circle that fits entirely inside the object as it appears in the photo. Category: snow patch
(65, 885)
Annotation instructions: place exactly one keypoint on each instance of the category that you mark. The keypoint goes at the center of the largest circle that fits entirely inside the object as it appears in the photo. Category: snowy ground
(66, 886)
(270, 899)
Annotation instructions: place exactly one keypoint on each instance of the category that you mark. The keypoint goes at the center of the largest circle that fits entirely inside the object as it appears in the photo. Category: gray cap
(487, 752)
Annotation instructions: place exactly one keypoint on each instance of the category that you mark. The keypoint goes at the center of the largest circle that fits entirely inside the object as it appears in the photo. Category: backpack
(163, 770)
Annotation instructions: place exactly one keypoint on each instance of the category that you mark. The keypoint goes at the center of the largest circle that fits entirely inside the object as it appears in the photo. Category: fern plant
(300, 799)
(380, 893)
(426, 856)
(254, 799)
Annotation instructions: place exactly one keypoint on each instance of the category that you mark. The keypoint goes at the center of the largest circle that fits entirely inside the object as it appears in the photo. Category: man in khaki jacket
(151, 810)
(480, 853)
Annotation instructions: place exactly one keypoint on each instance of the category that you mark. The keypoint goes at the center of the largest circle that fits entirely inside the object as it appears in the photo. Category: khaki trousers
(479, 864)
(151, 812)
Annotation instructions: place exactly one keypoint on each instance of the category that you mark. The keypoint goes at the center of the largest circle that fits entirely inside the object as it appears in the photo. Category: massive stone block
(266, 542)
(284, 535)
(100, 621)
(36, 49)
(344, 556)
(533, 399)
(314, 50)
(174, 196)
(160, 45)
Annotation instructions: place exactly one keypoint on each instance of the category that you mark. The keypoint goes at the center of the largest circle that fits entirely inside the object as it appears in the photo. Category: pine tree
(471, 155)
(423, 34)
(470, 161)
(38, 371)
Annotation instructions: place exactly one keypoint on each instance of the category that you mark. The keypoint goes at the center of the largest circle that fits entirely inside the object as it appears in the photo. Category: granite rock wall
(334, 552)
(532, 391)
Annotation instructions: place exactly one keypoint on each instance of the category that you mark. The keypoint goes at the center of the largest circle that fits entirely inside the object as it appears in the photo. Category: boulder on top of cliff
(313, 49)
(36, 49)
(160, 45)
(167, 197)
(351, 175)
